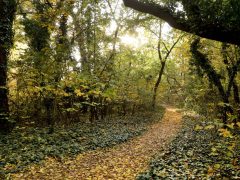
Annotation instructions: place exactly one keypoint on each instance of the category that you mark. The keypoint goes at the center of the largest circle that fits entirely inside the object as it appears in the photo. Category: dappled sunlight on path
(124, 161)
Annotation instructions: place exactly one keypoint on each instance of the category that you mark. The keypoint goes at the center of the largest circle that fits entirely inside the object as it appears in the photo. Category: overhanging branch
(158, 11)
(210, 31)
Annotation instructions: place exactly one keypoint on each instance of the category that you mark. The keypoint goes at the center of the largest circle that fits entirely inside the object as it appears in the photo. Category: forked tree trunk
(163, 61)
(203, 62)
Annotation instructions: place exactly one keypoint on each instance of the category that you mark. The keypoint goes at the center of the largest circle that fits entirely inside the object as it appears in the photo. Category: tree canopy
(213, 19)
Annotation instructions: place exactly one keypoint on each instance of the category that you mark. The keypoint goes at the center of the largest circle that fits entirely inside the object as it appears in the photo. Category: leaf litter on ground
(122, 161)
(198, 152)
(28, 145)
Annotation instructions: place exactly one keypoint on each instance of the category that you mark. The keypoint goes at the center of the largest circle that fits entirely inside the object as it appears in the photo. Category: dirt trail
(123, 161)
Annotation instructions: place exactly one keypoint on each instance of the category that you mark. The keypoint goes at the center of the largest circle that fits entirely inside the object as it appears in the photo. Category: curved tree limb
(209, 31)
(158, 11)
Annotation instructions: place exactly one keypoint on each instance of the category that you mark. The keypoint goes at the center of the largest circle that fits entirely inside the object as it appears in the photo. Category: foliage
(199, 151)
(83, 74)
(49, 83)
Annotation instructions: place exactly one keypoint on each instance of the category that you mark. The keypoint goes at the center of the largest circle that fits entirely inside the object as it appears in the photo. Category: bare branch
(174, 44)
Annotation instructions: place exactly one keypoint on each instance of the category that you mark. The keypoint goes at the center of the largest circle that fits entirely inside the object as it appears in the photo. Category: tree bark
(203, 62)
(236, 93)
(4, 107)
(163, 63)
(212, 31)
(62, 48)
(7, 12)
(157, 84)
(232, 69)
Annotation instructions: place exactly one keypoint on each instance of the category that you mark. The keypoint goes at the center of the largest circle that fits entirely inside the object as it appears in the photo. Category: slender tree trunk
(62, 50)
(236, 93)
(162, 61)
(7, 12)
(157, 84)
(236, 100)
(83, 29)
(4, 108)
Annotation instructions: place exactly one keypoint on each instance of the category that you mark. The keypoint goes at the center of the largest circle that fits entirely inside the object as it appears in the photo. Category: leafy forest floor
(199, 151)
(26, 146)
(145, 146)
(123, 161)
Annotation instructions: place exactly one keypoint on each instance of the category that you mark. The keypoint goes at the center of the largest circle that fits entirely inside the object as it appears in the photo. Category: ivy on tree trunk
(202, 61)
(7, 12)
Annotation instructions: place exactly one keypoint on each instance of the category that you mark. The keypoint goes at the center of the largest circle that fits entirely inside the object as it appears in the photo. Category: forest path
(123, 161)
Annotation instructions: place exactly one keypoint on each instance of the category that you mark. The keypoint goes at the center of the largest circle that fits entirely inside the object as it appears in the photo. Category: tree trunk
(203, 62)
(157, 84)
(7, 12)
(4, 108)
(163, 63)
(236, 93)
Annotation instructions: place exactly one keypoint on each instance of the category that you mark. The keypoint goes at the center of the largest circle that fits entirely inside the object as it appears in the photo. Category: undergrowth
(200, 151)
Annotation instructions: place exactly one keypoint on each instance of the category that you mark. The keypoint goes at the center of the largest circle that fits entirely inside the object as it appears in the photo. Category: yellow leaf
(214, 149)
(229, 154)
(210, 171)
(238, 123)
(225, 133)
(231, 147)
(230, 126)
(78, 92)
(209, 127)
(198, 128)
(217, 166)
(66, 94)
(41, 170)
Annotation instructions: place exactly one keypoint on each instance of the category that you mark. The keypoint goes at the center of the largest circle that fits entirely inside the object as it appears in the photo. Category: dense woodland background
(64, 62)
(70, 59)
